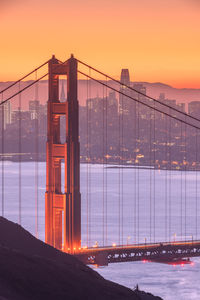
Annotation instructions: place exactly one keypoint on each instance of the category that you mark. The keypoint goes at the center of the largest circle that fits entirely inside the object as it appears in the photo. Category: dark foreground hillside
(30, 269)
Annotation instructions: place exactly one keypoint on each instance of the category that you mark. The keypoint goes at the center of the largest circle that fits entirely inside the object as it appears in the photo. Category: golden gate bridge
(63, 208)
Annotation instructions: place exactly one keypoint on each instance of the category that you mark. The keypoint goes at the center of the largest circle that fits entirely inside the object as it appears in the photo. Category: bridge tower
(63, 210)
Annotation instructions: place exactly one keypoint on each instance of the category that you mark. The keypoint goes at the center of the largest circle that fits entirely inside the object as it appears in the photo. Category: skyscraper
(125, 78)
(6, 111)
(125, 103)
(62, 94)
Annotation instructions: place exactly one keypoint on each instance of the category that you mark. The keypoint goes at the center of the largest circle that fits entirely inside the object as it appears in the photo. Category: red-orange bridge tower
(63, 210)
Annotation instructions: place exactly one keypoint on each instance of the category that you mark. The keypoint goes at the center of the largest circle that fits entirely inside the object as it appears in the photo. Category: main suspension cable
(22, 78)
(131, 88)
(34, 82)
(22, 90)
(145, 104)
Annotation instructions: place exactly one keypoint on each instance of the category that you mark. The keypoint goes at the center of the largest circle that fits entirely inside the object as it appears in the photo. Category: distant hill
(153, 89)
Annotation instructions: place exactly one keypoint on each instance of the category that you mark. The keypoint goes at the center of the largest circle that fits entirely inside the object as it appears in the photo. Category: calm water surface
(134, 206)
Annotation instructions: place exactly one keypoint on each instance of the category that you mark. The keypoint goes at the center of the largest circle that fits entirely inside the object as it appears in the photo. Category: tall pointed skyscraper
(125, 104)
(62, 94)
(125, 78)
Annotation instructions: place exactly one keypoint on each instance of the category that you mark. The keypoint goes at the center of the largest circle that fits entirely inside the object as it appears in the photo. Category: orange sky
(158, 40)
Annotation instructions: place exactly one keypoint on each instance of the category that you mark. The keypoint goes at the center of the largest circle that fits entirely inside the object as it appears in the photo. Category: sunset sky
(158, 40)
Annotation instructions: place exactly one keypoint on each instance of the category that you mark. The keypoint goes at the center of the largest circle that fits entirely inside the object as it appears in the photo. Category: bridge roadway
(167, 252)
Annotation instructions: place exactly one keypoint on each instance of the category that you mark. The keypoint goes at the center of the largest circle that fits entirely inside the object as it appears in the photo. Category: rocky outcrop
(31, 269)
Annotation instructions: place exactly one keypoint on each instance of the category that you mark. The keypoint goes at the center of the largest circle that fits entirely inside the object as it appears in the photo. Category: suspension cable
(131, 88)
(90, 147)
(181, 183)
(150, 180)
(36, 119)
(135, 178)
(22, 90)
(185, 181)
(196, 187)
(106, 146)
(138, 173)
(166, 179)
(154, 185)
(34, 82)
(2, 157)
(22, 78)
(145, 104)
(87, 177)
(122, 172)
(20, 153)
(103, 144)
(170, 171)
(119, 169)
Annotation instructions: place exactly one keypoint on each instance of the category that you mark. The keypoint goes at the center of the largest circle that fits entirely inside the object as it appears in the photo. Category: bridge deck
(157, 252)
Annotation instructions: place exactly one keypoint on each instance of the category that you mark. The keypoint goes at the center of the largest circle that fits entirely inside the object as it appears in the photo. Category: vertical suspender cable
(138, 175)
(181, 181)
(185, 179)
(154, 185)
(36, 156)
(119, 174)
(170, 171)
(135, 179)
(106, 208)
(166, 171)
(150, 180)
(2, 157)
(87, 176)
(19, 155)
(90, 141)
(103, 216)
(196, 187)
(122, 172)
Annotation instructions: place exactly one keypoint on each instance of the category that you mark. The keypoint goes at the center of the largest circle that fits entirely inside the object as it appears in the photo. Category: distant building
(128, 106)
(125, 103)
(95, 104)
(125, 77)
(194, 109)
(62, 94)
(23, 115)
(172, 102)
(181, 106)
(98, 104)
(34, 109)
(7, 113)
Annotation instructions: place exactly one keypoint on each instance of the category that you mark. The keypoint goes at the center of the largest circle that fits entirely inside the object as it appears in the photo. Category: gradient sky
(158, 40)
